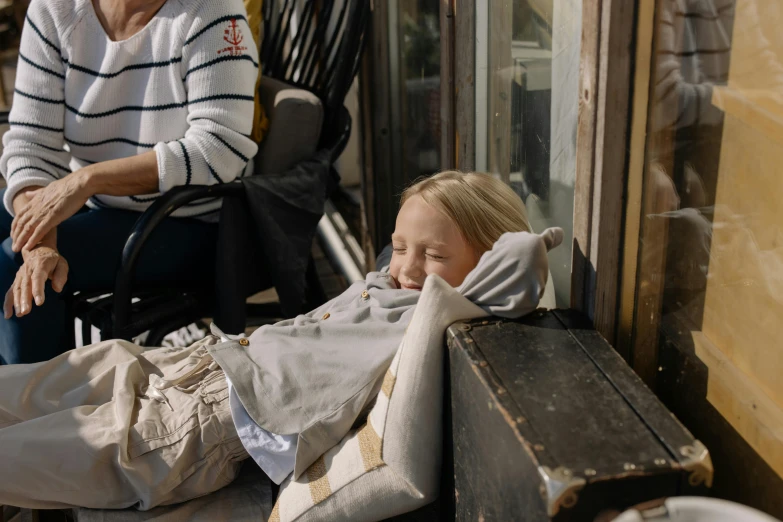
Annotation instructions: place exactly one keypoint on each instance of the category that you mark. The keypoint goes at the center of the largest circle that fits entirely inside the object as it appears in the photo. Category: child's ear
(552, 237)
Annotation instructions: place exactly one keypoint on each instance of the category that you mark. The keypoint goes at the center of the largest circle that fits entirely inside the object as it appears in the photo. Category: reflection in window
(710, 275)
(420, 63)
(527, 79)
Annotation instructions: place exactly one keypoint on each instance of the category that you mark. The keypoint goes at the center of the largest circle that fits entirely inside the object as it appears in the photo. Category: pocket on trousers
(157, 426)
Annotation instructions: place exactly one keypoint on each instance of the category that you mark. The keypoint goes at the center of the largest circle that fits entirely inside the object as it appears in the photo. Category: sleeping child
(111, 425)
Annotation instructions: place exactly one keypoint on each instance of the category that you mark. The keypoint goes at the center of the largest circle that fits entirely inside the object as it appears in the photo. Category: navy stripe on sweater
(138, 199)
(31, 167)
(47, 147)
(212, 24)
(99, 74)
(153, 108)
(35, 126)
(188, 170)
(137, 108)
(40, 34)
(229, 147)
(221, 97)
(40, 67)
(38, 98)
(110, 140)
(55, 165)
(218, 60)
(214, 174)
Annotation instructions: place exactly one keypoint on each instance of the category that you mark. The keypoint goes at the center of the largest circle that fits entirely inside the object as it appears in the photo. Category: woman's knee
(36, 336)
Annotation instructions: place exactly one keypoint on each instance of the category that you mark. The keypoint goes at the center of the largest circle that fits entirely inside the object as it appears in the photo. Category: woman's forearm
(21, 200)
(131, 176)
(61, 199)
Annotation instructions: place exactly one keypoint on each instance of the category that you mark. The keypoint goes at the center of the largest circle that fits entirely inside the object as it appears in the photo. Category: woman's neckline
(97, 20)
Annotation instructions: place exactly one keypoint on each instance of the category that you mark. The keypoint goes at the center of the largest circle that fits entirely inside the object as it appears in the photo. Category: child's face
(427, 242)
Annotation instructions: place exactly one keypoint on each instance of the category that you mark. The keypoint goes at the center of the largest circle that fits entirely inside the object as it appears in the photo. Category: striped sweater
(182, 86)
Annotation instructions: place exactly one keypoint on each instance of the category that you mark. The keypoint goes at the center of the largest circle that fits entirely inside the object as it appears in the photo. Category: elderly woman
(116, 101)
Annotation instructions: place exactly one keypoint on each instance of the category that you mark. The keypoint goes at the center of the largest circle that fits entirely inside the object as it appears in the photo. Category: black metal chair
(314, 45)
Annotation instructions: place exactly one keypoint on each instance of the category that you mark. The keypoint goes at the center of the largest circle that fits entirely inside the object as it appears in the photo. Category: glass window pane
(420, 72)
(527, 80)
(401, 105)
(709, 306)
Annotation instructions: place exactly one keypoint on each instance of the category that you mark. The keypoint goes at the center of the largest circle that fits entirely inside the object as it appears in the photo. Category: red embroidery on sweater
(233, 35)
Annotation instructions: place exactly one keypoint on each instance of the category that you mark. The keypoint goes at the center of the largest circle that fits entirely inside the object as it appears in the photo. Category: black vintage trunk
(549, 423)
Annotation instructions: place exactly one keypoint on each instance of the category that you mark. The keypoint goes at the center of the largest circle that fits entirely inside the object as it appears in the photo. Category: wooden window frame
(602, 159)
(382, 132)
(603, 141)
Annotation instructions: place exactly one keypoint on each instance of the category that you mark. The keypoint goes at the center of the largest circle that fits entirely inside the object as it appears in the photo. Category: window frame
(608, 30)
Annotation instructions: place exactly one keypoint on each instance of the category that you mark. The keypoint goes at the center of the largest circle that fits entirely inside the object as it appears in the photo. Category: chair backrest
(316, 45)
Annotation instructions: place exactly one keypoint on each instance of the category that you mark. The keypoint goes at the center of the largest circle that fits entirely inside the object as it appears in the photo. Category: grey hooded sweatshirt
(315, 374)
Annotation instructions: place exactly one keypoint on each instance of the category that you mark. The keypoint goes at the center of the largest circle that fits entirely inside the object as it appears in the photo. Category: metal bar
(482, 84)
(347, 237)
(337, 252)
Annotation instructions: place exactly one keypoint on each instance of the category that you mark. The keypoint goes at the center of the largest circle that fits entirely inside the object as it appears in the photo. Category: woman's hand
(48, 207)
(40, 264)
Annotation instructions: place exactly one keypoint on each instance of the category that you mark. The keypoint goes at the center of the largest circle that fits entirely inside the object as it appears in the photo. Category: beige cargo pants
(112, 426)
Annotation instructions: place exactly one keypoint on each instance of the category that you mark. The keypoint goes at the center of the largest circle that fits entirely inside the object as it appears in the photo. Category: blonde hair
(481, 206)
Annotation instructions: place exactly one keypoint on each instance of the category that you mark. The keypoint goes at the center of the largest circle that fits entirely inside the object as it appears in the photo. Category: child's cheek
(394, 270)
(436, 267)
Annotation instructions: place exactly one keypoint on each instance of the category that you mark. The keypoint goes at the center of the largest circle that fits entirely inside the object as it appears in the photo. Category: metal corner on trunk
(560, 488)
(697, 463)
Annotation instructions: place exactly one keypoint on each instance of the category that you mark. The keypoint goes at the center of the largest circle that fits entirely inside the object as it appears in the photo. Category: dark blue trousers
(181, 250)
